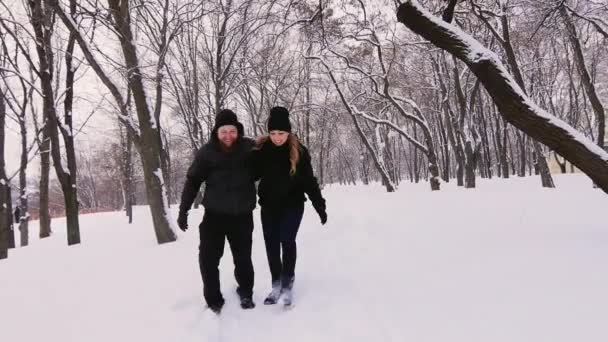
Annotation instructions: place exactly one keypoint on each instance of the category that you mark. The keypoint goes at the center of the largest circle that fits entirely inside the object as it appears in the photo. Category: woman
(285, 171)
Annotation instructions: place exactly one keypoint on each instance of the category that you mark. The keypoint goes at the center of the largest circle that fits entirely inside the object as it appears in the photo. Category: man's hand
(182, 221)
(323, 216)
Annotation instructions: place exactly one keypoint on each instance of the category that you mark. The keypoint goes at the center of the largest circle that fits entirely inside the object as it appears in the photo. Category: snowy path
(507, 262)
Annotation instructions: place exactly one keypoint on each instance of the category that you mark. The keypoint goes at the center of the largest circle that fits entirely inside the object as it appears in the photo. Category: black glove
(323, 215)
(182, 220)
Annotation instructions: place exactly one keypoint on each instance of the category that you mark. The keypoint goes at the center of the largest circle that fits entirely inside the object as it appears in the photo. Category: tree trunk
(560, 163)
(386, 180)
(388, 157)
(543, 168)
(127, 172)
(5, 211)
(129, 175)
(485, 140)
(521, 141)
(445, 151)
(470, 165)
(308, 94)
(24, 216)
(21, 215)
(69, 184)
(501, 149)
(450, 127)
(45, 169)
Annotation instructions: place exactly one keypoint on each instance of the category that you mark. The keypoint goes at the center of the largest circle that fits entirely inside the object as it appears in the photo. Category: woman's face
(278, 137)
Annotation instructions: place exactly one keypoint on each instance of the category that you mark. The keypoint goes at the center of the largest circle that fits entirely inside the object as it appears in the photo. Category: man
(224, 165)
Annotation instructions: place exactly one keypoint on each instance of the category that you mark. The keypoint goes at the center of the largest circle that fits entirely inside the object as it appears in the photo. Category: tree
(18, 105)
(41, 17)
(146, 138)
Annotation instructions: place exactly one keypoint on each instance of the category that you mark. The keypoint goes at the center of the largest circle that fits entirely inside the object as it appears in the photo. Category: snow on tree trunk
(510, 99)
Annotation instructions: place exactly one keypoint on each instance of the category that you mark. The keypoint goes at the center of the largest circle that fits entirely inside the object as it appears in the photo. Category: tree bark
(45, 169)
(471, 164)
(24, 216)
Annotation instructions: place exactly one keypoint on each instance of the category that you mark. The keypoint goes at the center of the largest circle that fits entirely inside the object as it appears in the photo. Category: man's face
(227, 135)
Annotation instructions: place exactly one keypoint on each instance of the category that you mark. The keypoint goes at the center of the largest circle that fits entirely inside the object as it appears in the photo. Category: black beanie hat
(225, 117)
(279, 119)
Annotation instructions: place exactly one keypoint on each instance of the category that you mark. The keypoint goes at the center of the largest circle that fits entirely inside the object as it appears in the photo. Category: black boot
(216, 307)
(246, 300)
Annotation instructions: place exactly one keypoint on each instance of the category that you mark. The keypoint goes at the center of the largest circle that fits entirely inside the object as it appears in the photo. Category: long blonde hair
(294, 149)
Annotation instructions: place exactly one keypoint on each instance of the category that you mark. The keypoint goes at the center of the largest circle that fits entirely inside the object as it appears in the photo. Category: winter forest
(444, 106)
(104, 103)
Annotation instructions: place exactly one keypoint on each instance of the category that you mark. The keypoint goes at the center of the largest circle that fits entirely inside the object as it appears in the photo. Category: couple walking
(229, 164)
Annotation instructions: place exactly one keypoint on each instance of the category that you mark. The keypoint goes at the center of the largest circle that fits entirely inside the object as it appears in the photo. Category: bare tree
(21, 37)
(146, 138)
(41, 21)
(18, 105)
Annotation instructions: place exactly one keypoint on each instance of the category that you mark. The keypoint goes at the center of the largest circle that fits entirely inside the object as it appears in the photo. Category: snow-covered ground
(509, 262)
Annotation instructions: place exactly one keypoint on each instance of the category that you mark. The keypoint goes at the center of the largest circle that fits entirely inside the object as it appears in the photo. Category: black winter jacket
(228, 177)
(278, 189)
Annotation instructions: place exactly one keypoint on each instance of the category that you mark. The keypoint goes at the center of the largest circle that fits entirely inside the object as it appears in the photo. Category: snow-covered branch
(516, 107)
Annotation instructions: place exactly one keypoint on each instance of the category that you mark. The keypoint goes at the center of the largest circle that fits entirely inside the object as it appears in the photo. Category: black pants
(280, 231)
(214, 229)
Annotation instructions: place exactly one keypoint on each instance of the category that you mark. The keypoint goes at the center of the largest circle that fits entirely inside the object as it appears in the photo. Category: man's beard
(227, 148)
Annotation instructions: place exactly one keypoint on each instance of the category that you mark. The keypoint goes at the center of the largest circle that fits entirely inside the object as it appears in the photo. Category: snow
(478, 53)
(2, 181)
(509, 261)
